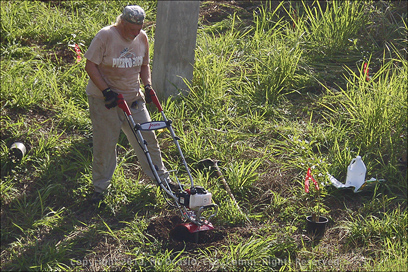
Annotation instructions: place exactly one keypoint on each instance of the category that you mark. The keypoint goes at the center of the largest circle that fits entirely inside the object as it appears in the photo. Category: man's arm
(145, 75)
(96, 77)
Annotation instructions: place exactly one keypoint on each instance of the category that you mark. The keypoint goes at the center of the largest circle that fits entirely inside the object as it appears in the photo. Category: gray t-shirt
(119, 62)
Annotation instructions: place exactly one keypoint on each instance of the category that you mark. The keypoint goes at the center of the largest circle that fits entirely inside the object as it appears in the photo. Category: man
(117, 59)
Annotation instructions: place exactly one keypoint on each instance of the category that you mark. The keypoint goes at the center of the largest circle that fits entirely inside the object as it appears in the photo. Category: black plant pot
(316, 228)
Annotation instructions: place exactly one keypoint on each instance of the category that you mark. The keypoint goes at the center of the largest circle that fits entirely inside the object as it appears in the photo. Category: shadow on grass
(53, 222)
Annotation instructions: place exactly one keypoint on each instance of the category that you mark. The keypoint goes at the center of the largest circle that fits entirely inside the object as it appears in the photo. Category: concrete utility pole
(174, 46)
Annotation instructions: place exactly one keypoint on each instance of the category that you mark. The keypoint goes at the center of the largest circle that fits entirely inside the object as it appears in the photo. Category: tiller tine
(189, 232)
(193, 228)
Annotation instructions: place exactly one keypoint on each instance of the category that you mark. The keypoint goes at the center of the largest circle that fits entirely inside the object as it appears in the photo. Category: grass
(277, 88)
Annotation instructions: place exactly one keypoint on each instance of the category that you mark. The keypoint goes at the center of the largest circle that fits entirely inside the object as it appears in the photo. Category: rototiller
(190, 202)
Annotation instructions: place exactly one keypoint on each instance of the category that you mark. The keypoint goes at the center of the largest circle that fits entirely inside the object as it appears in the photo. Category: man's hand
(149, 92)
(111, 98)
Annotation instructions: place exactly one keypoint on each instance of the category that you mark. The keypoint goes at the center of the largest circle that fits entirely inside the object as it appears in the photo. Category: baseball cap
(133, 14)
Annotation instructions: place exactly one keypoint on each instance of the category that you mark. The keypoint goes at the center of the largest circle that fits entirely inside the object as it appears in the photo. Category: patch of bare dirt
(216, 11)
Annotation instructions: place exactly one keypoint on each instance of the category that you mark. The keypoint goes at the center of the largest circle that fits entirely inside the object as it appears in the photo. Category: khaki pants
(106, 126)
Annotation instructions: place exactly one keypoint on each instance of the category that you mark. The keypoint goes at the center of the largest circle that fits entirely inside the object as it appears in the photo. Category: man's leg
(106, 129)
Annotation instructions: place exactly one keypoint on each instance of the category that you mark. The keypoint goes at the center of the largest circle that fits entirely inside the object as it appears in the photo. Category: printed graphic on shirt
(127, 59)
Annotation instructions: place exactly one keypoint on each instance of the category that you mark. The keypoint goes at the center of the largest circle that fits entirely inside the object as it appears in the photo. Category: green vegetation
(278, 88)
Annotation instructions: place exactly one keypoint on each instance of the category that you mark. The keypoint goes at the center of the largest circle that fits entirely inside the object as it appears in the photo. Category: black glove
(111, 98)
(149, 92)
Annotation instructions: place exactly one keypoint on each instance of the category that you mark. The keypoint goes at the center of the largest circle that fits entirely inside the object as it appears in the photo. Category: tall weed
(36, 20)
(326, 32)
(273, 60)
(374, 113)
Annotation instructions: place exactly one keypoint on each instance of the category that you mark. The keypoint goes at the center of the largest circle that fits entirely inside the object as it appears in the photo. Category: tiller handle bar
(143, 144)
(137, 128)
(155, 100)
(123, 105)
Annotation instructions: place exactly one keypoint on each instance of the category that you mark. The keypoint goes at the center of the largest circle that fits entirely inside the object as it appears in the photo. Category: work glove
(149, 92)
(111, 98)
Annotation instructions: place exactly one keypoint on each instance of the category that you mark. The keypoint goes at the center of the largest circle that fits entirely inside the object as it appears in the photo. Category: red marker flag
(78, 51)
(294, 19)
(366, 71)
(308, 177)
